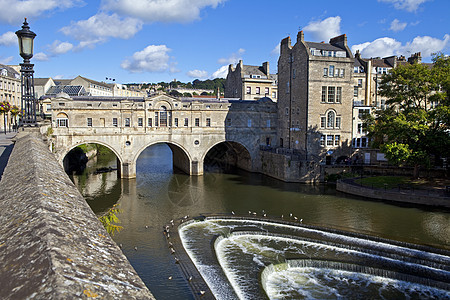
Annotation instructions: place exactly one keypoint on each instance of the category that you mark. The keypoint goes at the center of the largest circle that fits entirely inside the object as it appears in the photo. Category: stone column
(128, 170)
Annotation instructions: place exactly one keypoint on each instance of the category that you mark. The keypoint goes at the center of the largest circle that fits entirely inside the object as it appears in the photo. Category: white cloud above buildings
(323, 30)
(177, 11)
(396, 25)
(222, 72)
(408, 5)
(154, 58)
(13, 11)
(386, 46)
(100, 27)
(6, 60)
(41, 56)
(200, 74)
(8, 39)
(233, 58)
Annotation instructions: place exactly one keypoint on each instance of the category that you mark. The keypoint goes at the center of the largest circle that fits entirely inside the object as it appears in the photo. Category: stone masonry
(52, 246)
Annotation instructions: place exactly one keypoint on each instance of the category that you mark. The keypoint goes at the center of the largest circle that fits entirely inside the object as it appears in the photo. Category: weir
(245, 247)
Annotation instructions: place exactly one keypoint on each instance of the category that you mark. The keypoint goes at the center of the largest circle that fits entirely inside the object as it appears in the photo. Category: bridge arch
(180, 155)
(228, 152)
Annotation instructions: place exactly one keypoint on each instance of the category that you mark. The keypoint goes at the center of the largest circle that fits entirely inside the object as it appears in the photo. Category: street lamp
(26, 37)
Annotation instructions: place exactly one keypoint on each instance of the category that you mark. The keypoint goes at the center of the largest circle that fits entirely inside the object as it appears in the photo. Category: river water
(159, 194)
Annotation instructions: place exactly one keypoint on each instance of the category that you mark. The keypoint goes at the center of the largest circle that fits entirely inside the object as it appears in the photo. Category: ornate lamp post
(26, 37)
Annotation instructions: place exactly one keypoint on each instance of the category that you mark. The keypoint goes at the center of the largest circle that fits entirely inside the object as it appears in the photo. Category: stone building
(94, 88)
(9, 92)
(315, 88)
(251, 82)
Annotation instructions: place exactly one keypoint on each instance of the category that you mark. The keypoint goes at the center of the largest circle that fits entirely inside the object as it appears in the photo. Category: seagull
(120, 245)
(170, 244)
(232, 212)
(168, 235)
(264, 215)
(202, 293)
(146, 226)
(135, 248)
(290, 215)
(172, 251)
(170, 277)
(254, 213)
(301, 220)
(282, 216)
(177, 261)
(249, 212)
(190, 278)
(295, 218)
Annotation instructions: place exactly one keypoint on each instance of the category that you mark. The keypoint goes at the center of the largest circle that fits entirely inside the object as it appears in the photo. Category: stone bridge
(194, 129)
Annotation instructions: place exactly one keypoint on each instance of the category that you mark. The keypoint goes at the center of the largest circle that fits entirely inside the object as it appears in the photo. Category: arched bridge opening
(227, 155)
(163, 157)
(79, 156)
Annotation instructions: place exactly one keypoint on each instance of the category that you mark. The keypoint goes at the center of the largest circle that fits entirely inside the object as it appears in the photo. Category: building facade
(251, 82)
(10, 92)
(315, 87)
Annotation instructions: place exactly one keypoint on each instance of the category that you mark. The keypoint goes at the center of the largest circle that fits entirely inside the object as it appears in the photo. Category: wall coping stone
(52, 246)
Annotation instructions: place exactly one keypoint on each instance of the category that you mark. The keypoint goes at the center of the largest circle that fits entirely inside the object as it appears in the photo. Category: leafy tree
(416, 123)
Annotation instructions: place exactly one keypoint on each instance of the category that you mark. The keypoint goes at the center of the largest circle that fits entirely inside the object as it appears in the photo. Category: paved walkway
(6, 146)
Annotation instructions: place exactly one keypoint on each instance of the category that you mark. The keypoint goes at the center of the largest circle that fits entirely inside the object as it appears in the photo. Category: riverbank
(429, 194)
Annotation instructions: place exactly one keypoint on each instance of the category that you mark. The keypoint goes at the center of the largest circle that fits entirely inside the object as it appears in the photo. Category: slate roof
(323, 46)
(10, 71)
(254, 70)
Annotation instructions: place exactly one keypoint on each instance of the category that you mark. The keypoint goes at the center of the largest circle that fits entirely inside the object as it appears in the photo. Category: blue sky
(160, 40)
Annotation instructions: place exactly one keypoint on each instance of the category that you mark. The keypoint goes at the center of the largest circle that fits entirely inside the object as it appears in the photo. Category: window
(249, 123)
(208, 122)
(329, 140)
(62, 122)
(287, 87)
(268, 123)
(360, 126)
(114, 122)
(364, 142)
(324, 93)
(287, 111)
(330, 119)
(362, 112)
(258, 90)
(176, 122)
(140, 122)
(156, 119)
(325, 72)
(338, 94)
(266, 91)
(337, 139)
(355, 69)
(150, 123)
(249, 90)
(197, 122)
(127, 122)
(338, 122)
(342, 72)
(331, 91)
(355, 91)
(360, 82)
(331, 71)
(274, 95)
(293, 73)
(322, 140)
(89, 122)
(186, 122)
(323, 121)
(48, 107)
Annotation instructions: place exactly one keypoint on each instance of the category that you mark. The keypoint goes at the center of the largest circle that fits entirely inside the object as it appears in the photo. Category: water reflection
(159, 194)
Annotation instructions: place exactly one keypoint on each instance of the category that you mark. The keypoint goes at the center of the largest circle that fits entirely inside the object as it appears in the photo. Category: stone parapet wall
(52, 246)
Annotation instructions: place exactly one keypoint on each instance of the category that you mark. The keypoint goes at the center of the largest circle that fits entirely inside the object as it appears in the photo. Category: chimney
(266, 68)
(300, 36)
(357, 54)
(340, 41)
(285, 44)
(415, 58)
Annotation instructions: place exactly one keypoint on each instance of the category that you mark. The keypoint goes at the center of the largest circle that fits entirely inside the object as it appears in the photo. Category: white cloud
(41, 56)
(325, 29)
(58, 48)
(197, 74)
(6, 60)
(396, 25)
(179, 11)
(233, 58)
(13, 11)
(386, 46)
(99, 27)
(222, 72)
(408, 5)
(8, 39)
(275, 51)
(153, 58)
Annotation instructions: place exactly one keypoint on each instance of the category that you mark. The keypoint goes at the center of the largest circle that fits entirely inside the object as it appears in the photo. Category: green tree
(415, 126)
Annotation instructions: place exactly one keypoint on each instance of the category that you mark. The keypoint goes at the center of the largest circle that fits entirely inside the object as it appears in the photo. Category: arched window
(330, 119)
(62, 120)
(163, 116)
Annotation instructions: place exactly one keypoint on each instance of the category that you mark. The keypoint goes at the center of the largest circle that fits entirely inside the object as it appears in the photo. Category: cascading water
(248, 261)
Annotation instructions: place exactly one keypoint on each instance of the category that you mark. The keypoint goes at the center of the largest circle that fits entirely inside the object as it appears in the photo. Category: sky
(134, 41)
